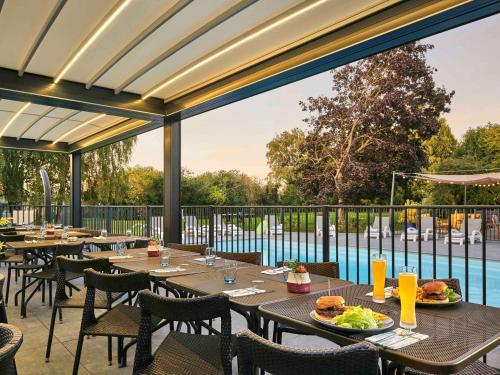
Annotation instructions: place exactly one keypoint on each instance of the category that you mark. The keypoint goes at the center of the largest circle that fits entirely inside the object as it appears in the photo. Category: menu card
(243, 292)
(397, 338)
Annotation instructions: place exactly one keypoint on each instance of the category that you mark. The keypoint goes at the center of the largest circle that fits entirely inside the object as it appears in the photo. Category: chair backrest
(182, 309)
(426, 222)
(11, 339)
(251, 257)
(255, 351)
(327, 269)
(452, 283)
(11, 237)
(386, 220)
(3, 312)
(8, 230)
(69, 249)
(200, 249)
(139, 244)
(472, 224)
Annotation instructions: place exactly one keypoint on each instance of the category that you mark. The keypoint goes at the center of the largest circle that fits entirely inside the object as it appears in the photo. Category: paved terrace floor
(31, 357)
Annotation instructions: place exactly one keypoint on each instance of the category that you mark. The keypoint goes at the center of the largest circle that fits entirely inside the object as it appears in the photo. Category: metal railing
(441, 241)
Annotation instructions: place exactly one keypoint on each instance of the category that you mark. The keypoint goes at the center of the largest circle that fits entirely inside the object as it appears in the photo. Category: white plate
(388, 323)
(437, 304)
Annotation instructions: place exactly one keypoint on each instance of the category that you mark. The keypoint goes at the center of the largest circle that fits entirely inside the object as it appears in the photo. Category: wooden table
(57, 234)
(458, 334)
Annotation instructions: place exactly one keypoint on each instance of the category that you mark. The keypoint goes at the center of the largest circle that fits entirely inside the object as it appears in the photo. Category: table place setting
(397, 338)
(169, 270)
(118, 257)
(276, 271)
(203, 259)
(243, 292)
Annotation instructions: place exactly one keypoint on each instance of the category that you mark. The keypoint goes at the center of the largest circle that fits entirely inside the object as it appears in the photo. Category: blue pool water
(350, 267)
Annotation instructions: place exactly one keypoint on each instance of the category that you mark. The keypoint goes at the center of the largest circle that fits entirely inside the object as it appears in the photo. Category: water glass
(379, 267)
(210, 256)
(104, 233)
(285, 269)
(164, 257)
(42, 233)
(230, 269)
(129, 233)
(120, 248)
(407, 282)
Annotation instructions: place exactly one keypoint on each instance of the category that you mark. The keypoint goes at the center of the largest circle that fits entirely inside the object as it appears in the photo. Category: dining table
(458, 334)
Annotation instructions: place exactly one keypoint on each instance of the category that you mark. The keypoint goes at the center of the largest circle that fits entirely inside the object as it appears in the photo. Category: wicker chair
(200, 249)
(184, 353)
(122, 321)
(47, 274)
(255, 351)
(76, 300)
(478, 367)
(140, 244)
(252, 257)
(327, 269)
(3, 313)
(11, 339)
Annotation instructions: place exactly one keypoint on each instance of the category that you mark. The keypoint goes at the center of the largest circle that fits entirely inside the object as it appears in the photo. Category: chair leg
(60, 316)
(50, 292)
(23, 297)
(9, 272)
(120, 351)
(43, 292)
(51, 333)
(78, 354)
(110, 351)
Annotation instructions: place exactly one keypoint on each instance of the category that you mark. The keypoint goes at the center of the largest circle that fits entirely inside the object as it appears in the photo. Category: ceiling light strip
(13, 118)
(32, 123)
(56, 124)
(214, 22)
(41, 35)
(176, 8)
(107, 20)
(250, 35)
(80, 126)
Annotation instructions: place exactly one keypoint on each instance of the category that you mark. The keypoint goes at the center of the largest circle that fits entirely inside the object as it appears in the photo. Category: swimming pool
(289, 250)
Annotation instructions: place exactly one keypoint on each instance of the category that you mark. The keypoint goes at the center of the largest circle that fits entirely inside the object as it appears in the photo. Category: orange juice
(379, 266)
(407, 281)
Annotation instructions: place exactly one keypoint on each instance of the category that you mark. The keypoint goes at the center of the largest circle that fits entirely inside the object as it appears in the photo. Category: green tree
(145, 186)
(440, 146)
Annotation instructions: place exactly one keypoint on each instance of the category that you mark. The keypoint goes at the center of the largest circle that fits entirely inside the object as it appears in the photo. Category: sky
(235, 136)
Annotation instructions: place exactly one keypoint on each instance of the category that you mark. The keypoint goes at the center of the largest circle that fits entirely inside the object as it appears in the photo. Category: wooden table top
(49, 243)
(57, 234)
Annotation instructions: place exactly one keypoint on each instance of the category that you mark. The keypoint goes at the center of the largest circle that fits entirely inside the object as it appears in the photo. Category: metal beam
(214, 22)
(290, 66)
(176, 8)
(1, 5)
(76, 190)
(41, 35)
(172, 180)
(31, 145)
(56, 124)
(39, 89)
(32, 123)
(119, 132)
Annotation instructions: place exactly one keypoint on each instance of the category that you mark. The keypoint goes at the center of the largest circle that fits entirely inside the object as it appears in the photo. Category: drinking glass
(285, 269)
(379, 267)
(210, 256)
(407, 282)
(64, 235)
(230, 270)
(164, 257)
(104, 233)
(129, 233)
(120, 248)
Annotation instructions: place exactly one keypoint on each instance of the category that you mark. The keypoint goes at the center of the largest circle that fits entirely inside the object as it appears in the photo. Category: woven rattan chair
(76, 300)
(47, 275)
(184, 353)
(200, 249)
(3, 313)
(140, 244)
(252, 257)
(257, 352)
(327, 269)
(122, 321)
(11, 339)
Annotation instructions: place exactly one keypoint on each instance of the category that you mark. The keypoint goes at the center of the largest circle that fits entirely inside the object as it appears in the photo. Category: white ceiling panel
(40, 127)
(18, 125)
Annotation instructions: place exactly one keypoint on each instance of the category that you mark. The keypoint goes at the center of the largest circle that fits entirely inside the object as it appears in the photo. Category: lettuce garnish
(357, 317)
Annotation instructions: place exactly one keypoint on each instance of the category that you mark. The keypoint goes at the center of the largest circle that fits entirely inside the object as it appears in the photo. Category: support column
(76, 189)
(172, 179)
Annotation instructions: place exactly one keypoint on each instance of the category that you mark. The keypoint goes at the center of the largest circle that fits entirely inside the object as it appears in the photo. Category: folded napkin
(30, 241)
(117, 257)
(203, 259)
(168, 270)
(276, 271)
(99, 238)
(387, 292)
(397, 338)
(243, 292)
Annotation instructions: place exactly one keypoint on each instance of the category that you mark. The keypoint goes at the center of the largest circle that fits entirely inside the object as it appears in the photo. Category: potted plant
(153, 250)
(5, 221)
(298, 280)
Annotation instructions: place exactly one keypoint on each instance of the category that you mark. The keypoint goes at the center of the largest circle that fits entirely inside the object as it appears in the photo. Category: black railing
(441, 241)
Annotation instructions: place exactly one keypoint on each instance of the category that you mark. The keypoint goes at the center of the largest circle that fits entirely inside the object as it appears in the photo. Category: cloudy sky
(235, 137)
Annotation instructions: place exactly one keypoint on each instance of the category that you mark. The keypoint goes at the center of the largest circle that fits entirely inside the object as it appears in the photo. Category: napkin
(243, 292)
(203, 259)
(387, 292)
(168, 270)
(397, 338)
(116, 257)
(99, 238)
(276, 271)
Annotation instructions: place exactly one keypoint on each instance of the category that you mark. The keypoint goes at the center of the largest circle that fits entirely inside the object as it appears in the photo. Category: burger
(328, 307)
(435, 291)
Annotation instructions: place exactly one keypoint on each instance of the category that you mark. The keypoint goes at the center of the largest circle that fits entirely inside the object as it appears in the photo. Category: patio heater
(46, 194)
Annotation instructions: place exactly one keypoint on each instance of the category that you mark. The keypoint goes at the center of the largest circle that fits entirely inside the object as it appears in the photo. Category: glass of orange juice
(379, 267)
(407, 282)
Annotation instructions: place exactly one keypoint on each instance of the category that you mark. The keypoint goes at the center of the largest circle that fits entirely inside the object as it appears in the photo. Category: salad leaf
(452, 296)
(357, 317)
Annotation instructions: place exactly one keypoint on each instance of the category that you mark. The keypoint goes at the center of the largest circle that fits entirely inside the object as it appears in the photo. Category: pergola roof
(93, 70)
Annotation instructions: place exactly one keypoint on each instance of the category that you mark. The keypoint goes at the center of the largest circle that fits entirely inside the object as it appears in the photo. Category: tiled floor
(31, 357)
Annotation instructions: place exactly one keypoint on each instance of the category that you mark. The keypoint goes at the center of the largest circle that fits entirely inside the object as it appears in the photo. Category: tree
(440, 146)
(145, 186)
(481, 143)
(384, 107)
